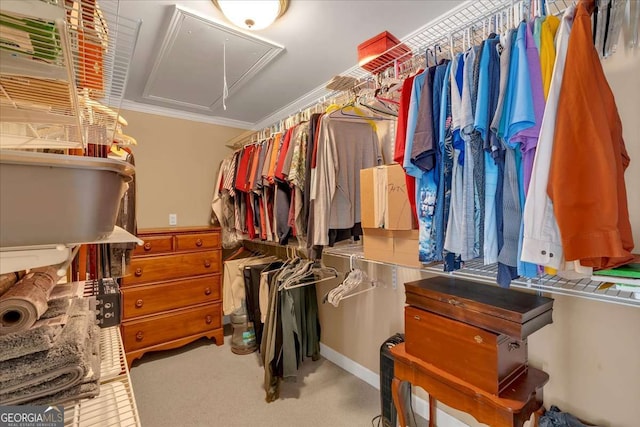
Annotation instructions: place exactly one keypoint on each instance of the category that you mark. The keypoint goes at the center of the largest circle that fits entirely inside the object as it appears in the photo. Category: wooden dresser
(172, 294)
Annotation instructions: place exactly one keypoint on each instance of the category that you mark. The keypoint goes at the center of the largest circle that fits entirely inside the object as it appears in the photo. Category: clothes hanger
(353, 281)
(333, 273)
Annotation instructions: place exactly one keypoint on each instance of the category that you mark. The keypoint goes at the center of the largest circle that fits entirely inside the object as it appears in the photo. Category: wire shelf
(113, 362)
(477, 271)
(115, 405)
(63, 72)
(472, 19)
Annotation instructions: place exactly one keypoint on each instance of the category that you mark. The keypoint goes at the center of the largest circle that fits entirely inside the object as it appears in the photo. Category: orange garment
(255, 160)
(274, 158)
(586, 177)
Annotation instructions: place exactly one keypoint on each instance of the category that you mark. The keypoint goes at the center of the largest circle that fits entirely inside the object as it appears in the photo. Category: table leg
(398, 401)
(432, 411)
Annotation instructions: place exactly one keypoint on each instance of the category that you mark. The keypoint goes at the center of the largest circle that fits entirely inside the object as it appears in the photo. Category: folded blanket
(42, 335)
(87, 388)
(23, 304)
(48, 372)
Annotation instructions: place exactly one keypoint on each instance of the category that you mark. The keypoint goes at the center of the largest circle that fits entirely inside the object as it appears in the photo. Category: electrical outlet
(173, 219)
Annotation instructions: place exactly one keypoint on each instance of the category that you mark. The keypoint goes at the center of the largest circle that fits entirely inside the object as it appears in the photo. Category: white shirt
(541, 243)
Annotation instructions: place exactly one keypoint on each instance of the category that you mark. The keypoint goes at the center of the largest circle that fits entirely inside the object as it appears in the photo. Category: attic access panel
(189, 72)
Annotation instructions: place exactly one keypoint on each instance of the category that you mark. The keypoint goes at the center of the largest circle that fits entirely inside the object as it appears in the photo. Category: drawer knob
(207, 264)
(139, 336)
(138, 272)
(208, 319)
(147, 246)
(139, 303)
(514, 346)
(199, 242)
(207, 291)
(478, 339)
(417, 317)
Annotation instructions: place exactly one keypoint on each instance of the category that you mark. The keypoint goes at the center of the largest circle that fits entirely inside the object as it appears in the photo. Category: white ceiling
(320, 39)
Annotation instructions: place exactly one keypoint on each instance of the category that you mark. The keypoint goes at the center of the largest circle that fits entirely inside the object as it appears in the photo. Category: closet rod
(445, 31)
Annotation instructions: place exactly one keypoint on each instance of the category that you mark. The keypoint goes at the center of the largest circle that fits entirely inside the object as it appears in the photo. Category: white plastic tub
(50, 199)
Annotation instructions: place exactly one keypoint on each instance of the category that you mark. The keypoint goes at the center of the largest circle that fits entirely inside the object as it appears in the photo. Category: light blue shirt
(520, 111)
(412, 119)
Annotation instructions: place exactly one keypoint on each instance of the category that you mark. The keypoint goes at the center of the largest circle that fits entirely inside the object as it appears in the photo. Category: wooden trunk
(474, 331)
(503, 311)
(482, 358)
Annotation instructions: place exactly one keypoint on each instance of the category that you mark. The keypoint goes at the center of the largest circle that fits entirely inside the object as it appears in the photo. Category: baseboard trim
(420, 406)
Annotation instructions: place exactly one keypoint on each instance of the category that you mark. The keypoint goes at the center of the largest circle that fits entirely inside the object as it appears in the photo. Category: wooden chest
(172, 295)
(487, 360)
(474, 331)
(503, 311)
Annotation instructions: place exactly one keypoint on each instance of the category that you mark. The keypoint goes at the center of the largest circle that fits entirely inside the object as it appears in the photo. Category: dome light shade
(252, 15)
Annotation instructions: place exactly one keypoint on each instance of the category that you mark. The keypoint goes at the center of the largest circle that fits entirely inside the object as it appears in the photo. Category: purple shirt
(529, 137)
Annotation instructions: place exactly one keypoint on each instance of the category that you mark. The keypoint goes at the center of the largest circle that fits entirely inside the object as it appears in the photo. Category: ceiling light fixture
(252, 15)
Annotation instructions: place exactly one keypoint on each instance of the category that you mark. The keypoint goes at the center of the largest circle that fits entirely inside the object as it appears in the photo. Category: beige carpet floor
(205, 385)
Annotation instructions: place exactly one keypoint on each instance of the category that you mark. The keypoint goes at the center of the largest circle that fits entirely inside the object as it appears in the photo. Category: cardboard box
(392, 246)
(405, 247)
(378, 245)
(378, 53)
(384, 202)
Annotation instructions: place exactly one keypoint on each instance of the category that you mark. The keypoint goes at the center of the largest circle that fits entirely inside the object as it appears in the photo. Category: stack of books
(624, 278)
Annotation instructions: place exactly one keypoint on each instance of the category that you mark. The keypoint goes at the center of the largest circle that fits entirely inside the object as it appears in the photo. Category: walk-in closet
(328, 213)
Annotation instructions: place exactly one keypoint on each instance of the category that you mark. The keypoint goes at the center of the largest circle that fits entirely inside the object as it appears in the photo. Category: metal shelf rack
(116, 404)
(63, 72)
(477, 271)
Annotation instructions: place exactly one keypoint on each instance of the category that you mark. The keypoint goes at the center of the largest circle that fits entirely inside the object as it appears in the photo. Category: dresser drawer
(154, 245)
(192, 242)
(162, 328)
(168, 267)
(485, 359)
(144, 300)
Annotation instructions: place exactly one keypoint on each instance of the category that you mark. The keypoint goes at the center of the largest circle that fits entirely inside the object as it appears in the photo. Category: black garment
(282, 206)
(339, 234)
(252, 291)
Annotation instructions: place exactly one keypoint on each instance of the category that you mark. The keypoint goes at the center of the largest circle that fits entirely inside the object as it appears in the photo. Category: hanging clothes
(344, 148)
(587, 185)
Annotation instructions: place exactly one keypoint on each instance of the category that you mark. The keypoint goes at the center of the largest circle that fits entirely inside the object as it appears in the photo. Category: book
(631, 270)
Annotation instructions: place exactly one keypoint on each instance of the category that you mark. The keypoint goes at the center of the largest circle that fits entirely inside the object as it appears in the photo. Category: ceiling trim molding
(306, 100)
(184, 115)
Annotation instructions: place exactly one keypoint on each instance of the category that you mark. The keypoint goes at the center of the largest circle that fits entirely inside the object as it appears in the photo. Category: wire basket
(63, 71)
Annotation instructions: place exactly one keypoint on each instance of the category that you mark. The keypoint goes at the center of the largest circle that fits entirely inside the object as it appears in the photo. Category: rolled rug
(63, 366)
(42, 335)
(8, 280)
(23, 304)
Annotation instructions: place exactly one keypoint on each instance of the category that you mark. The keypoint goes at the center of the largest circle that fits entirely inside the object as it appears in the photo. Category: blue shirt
(412, 118)
(488, 91)
(520, 113)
